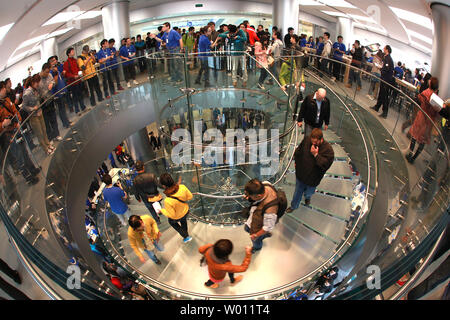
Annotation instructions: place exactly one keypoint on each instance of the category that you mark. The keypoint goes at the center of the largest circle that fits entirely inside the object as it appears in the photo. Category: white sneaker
(128, 84)
(135, 82)
(261, 86)
(59, 138)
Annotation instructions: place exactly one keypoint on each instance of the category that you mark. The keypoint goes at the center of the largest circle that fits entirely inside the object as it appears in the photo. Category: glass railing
(415, 193)
(195, 177)
(43, 216)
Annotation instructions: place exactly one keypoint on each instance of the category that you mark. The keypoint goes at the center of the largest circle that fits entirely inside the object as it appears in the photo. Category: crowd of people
(45, 96)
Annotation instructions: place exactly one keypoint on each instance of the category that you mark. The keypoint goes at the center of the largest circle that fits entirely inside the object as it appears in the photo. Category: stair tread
(340, 187)
(341, 169)
(334, 206)
(327, 226)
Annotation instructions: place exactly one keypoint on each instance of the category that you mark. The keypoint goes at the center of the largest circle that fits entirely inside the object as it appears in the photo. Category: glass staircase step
(337, 207)
(339, 187)
(328, 227)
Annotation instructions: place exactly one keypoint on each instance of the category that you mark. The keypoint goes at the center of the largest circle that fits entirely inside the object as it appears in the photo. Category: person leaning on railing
(237, 39)
(10, 120)
(421, 129)
(357, 57)
(86, 63)
(48, 104)
(72, 74)
(30, 104)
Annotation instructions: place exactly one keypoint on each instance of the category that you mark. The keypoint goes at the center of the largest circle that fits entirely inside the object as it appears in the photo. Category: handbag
(270, 61)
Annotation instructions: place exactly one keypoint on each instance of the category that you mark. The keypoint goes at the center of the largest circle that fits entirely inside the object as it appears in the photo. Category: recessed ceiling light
(59, 32)
(413, 17)
(4, 30)
(418, 45)
(337, 3)
(32, 40)
(331, 3)
(419, 36)
(362, 18)
(310, 3)
(72, 15)
(334, 13)
(378, 29)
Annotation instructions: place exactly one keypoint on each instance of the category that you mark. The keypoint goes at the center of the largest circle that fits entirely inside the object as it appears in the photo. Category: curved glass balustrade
(368, 152)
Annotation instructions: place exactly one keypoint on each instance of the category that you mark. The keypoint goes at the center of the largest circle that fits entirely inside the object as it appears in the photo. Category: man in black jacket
(146, 189)
(315, 110)
(313, 157)
(387, 75)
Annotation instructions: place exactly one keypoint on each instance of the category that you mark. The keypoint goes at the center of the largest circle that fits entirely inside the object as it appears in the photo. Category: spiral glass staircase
(371, 208)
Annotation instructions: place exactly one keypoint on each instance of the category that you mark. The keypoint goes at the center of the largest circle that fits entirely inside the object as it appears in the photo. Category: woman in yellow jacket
(143, 234)
(175, 207)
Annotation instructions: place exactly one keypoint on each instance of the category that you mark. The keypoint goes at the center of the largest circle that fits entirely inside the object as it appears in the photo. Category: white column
(345, 29)
(285, 15)
(440, 62)
(48, 48)
(116, 20)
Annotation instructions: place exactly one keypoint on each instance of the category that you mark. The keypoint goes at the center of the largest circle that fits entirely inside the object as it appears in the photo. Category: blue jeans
(62, 110)
(258, 242)
(301, 188)
(174, 65)
(354, 77)
(150, 253)
(77, 96)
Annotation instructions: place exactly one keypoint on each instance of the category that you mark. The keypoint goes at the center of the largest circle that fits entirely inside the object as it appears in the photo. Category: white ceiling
(29, 16)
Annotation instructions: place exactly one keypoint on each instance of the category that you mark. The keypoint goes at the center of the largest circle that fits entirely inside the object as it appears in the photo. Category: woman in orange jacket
(216, 257)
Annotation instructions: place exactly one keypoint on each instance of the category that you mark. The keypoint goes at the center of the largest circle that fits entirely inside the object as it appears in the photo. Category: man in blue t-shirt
(172, 41)
(104, 55)
(204, 47)
(398, 71)
(112, 64)
(61, 97)
(114, 196)
(339, 50)
(303, 41)
(128, 53)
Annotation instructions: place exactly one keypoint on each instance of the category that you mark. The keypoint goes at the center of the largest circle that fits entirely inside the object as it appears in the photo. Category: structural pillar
(116, 23)
(48, 48)
(285, 15)
(345, 29)
(116, 20)
(440, 63)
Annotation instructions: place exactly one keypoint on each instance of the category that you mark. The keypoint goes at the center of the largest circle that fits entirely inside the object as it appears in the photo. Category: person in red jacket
(216, 257)
(73, 75)
(252, 36)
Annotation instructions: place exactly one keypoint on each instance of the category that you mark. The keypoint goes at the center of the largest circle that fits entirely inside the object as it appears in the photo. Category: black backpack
(281, 201)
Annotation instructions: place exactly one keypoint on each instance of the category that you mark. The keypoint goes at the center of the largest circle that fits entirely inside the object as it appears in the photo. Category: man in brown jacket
(313, 157)
(216, 257)
(263, 212)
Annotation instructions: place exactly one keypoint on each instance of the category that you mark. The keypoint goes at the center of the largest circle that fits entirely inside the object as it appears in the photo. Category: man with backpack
(267, 206)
